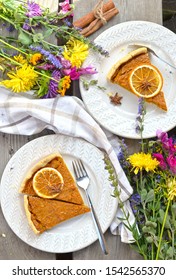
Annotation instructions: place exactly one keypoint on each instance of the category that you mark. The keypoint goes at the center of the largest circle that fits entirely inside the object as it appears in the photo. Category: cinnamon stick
(97, 23)
(88, 18)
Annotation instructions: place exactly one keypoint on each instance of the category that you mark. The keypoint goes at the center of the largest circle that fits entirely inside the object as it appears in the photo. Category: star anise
(116, 99)
(145, 85)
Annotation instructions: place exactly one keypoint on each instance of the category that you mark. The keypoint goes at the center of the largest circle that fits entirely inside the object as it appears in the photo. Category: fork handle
(98, 227)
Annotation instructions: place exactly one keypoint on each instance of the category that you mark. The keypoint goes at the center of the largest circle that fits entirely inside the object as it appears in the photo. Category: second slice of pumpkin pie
(121, 71)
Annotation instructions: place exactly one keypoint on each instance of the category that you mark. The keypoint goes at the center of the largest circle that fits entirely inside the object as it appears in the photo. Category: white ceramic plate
(78, 232)
(121, 119)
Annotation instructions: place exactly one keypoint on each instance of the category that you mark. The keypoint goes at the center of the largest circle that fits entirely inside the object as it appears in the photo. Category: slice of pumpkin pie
(69, 191)
(44, 214)
(121, 72)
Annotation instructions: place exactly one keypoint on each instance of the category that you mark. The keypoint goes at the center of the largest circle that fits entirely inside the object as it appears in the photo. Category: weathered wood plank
(117, 250)
(129, 10)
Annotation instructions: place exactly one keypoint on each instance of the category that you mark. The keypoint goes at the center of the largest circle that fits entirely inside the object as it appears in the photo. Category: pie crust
(120, 73)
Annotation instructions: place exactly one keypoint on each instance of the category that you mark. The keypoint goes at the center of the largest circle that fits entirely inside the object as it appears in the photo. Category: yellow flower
(35, 58)
(64, 84)
(22, 80)
(20, 59)
(76, 52)
(171, 186)
(144, 161)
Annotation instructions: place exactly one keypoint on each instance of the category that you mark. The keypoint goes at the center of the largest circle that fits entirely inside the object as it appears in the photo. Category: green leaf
(47, 32)
(150, 196)
(18, 16)
(149, 230)
(24, 38)
(173, 209)
(93, 82)
(161, 218)
(143, 195)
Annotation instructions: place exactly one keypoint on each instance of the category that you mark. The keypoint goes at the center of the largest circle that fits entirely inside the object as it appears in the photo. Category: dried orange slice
(146, 81)
(48, 182)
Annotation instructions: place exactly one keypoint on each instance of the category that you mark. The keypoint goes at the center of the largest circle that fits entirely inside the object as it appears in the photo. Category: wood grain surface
(11, 247)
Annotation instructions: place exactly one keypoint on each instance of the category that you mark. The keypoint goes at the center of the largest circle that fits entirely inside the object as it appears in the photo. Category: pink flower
(73, 73)
(167, 143)
(89, 70)
(65, 7)
(161, 160)
(76, 73)
(171, 160)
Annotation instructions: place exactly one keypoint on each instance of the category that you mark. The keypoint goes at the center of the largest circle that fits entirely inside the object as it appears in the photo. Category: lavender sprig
(140, 115)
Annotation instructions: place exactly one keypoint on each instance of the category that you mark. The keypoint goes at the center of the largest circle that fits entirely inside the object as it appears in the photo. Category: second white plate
(121, 119)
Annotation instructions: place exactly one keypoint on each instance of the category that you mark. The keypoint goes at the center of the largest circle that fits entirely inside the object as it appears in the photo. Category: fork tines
(79, 168)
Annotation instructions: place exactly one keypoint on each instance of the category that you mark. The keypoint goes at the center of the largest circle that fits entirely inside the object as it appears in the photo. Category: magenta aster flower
(171, 160)
(33, 9)
(75, 73)
(65, 7)
(161, 160)
(167, 143)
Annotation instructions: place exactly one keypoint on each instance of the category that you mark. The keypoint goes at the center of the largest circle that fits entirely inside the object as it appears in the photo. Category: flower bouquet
(29, 61)
(152, 174)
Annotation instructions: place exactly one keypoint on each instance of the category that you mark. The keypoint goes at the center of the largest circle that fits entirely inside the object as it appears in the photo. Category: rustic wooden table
(11, 247)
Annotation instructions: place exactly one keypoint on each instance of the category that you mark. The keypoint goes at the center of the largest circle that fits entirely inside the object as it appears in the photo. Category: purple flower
(33, 9)
(135, 201)
(161, 160)
(46, 66)
(65, 63)
(26, 25)
(171, 160)
(10, 28)
(67, 21)
(53, 85)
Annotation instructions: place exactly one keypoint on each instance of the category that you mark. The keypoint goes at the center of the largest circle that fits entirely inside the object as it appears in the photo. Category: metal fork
(154, 53)
(83, 182)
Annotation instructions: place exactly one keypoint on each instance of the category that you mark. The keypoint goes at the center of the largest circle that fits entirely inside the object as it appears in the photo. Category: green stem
(169, 11)
(153, 217)
(6, 19)
(12, 47)
(173, 233)
(13, 61)
(162, 230)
